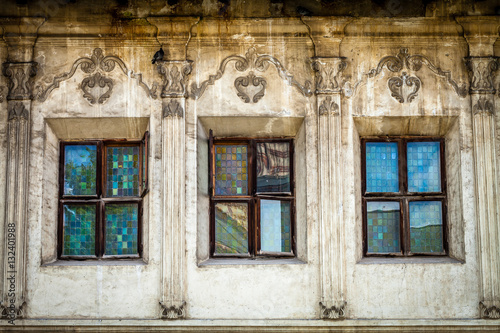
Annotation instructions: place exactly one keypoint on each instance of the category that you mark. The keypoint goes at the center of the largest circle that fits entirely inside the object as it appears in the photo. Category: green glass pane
(273, 167)
(79, 230)
(122, 171)
(275, 226)
(382, 226)
(231, 170)
(121, 229)
(231, 227)
(80, 166)
(426, 227)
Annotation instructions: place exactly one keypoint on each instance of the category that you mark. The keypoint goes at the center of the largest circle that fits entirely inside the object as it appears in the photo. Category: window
(252, 199)
(404, 197)
(101, 184)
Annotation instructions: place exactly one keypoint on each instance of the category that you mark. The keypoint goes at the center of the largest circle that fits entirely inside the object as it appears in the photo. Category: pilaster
(332, 230)
(481, 72)
(174, 76)
(20, 70)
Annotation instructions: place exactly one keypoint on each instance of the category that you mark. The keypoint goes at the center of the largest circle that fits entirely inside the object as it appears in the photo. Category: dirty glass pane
(273, 167)
(231, 228)
(424, 167)
(382, 167)
(383, 226)
(121, 229)
(426, 226)
(231, 170)
(80, 167)
(122, 171)
(275, 226)
(79, 230)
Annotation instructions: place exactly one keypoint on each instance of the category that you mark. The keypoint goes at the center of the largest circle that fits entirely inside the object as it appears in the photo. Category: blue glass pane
(382, 226)
(424, 167)
(122, 229)
(80, 166)
(382, 167)
(123, 171)
(275, 226)
(426, 226)
(79, 230)
(231, 175)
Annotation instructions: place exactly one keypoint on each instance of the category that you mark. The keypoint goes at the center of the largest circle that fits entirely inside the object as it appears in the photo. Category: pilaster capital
(329, 74)
(483, 105)
(326, 34)
(21, 79)
(174, 77)
(173, 107)
(481, 73)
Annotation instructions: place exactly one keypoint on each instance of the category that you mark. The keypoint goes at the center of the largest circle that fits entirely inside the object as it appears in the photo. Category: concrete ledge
(360, 325)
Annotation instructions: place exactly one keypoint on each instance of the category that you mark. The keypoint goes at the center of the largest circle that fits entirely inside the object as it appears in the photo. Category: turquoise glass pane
(231, 227)
(121, 229)
(80, 166)
(424, 167)
(383, 226)
(275, 226)
(382, 167)
(273, 167)
(231, 174)
(79, 230)
(426, 226)
(122, 171)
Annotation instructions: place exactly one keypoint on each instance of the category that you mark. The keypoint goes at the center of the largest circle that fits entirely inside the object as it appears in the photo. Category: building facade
(337, 80)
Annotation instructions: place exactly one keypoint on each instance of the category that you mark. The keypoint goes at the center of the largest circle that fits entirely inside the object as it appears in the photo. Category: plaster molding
(329, 74)
(254, 62)
(404, 88)
(483, 106)
(414, 63)
(482, 73)
(96, 64)
(173, 312)
(173, 109)
(17, 111)
(174, 77)
(333, 312)
(490, 310)
(242, 84)
(328, 106)
(20, 79)
(94, 81)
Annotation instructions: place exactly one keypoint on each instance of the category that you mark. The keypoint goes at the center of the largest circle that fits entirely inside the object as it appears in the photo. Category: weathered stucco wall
(290, 54)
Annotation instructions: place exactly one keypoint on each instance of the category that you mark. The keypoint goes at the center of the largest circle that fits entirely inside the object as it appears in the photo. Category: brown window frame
(253, 198)
(403, 196)
(100, 200)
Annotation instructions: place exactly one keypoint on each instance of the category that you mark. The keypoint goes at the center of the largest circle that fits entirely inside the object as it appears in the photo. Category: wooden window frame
(252, 198)
(403, 196)
(100, 200)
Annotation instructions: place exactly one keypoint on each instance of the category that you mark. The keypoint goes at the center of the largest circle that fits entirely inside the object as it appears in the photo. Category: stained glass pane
(382, 167)
(231, 173)
(79, 230)
(275, 225)
(80, 166)
(273, 167)
(426, 226)
(424, 167)
(383, 226)
(122, 171)
(121, 229)
(231, 227)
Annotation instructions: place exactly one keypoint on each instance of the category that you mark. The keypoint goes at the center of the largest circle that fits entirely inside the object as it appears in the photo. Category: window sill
(408, 260)
(125, 262)
(250, 261)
